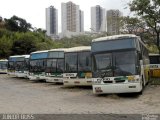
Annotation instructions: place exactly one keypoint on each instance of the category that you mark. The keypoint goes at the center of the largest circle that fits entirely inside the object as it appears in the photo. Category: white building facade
(98, 19)
(52, 21)
(72, 19)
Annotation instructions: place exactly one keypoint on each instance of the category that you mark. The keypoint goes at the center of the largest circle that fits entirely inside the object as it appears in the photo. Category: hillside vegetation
(17, 37)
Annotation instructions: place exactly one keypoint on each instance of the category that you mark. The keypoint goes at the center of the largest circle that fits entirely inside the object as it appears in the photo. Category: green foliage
(5, 46)
(152, 48)
(23, 44)
(17, 24)
(130, 25)
(82, 40)
(149, 11)
(17, 39)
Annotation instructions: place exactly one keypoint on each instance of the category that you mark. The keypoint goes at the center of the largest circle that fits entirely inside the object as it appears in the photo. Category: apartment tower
(113, 21)
(51, 21)
(98, 19)
(72, 18)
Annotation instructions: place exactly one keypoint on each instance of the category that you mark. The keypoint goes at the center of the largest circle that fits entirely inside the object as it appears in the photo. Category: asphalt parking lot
(23, 96)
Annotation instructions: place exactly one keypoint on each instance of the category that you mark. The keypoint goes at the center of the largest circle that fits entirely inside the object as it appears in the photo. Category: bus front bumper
(31, 77)
(21, 75)
(77, 82)
(12, 74)
(116, 88)
(36, 77)
(3, 71)
(54, 79)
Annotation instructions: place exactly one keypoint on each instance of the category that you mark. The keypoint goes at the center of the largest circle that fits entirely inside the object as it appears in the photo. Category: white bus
(120, 64)
(22, 66)
(11, 65)
(78, 66)
(155, 65)
(55, 65)
(37, 65)
(3, 65)
(18, 66)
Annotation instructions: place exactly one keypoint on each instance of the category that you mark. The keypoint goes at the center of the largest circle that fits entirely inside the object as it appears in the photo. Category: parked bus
(78, 67)
(120, 64)
(3, 65)
(37, 65)
(154, 65)
(11, 65)
(55, 65)
(22, 66)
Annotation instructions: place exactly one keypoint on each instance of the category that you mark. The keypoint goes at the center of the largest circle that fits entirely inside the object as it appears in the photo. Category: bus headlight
(133, 79)
(130, 78)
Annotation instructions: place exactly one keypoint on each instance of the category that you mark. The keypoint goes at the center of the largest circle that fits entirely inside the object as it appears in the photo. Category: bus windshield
(114, 64)
(51, 65)
(11, 65)
(19, 65)
(71, 62)
(26, 64)
(60, 65)
(55, 65)
(84, 61)
(37, 65)
(3, 65)
(78, 61)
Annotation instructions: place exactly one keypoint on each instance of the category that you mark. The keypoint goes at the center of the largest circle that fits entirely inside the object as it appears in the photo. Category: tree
(149, 11)
(5, 47)
(24, 45)
(130, 25)
(134, 25)
(17, 24)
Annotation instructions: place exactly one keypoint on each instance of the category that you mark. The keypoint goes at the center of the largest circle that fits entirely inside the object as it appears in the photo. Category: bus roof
(39, 51)
(17, 56)
(79, 48)
(26, 56)
(5, 60)
(58, 49)
(114, 37)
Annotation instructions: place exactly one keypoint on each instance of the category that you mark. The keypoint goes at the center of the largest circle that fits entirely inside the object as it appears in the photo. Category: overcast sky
(34, 10)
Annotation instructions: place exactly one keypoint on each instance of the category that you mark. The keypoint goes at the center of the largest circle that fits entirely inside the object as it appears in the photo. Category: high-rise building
(72, 18)
(81, 18)
(113, 21)
(51, 21)
(98, 19)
